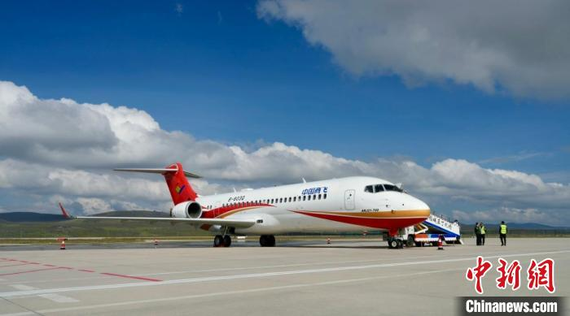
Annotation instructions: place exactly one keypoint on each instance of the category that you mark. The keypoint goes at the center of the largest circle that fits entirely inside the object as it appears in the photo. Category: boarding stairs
(428, 232)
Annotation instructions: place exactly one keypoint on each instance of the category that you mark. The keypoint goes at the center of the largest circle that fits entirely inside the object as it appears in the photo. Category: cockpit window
(376, 188)
(390, 187)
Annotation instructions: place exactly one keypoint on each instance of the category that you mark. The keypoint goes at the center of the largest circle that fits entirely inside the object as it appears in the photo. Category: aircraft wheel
(263, 240)
(393, 243)
(267, 240)
(218, 241)
(271, 241)
(227, 240)
(399, 244)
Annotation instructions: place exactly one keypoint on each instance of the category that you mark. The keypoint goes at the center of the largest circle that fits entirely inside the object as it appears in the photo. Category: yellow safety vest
(482, 230)
(503, 229)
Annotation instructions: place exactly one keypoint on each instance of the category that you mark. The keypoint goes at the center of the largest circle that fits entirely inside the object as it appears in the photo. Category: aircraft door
(349, 199)
(217, 205)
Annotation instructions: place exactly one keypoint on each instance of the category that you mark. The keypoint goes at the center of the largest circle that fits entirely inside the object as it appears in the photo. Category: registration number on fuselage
(369, 210)
(236, 198)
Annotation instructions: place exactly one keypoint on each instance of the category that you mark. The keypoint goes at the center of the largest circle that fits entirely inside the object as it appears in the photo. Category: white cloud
(78, 166)
(511, 215)
(513, 45)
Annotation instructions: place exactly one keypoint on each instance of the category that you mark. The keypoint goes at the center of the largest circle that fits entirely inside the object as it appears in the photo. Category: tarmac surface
(295, 278)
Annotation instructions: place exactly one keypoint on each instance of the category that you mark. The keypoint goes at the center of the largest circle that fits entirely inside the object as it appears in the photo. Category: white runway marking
(485, 254)
(264, 289)
(59, 298)
(255, 275)
(23, 287)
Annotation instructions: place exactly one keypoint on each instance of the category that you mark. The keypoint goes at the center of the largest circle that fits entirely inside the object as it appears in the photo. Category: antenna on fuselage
(304, 181)
(235, 191)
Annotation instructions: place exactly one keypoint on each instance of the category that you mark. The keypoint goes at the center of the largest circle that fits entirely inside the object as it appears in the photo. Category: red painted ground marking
(67, 268)
(48, 265)
(13, 265)
(131, 277)
(33, 262)
(29, 271)
(85, 270)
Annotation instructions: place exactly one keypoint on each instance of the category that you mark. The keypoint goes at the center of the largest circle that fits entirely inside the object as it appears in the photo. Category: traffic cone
(328, 241)
(62, 246)
(440, 243)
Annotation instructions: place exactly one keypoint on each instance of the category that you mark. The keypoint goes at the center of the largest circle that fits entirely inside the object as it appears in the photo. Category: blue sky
(218, 71)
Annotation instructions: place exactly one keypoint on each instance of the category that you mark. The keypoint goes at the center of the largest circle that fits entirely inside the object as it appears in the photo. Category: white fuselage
(337, 205)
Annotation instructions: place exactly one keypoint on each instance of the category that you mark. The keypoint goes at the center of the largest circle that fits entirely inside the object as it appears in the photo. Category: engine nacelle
(190, 209)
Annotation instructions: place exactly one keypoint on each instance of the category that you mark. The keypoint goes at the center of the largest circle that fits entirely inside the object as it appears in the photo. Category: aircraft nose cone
(421, 206)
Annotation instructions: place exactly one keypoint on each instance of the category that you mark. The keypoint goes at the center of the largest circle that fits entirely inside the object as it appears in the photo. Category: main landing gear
(222, 241)
(267, 241)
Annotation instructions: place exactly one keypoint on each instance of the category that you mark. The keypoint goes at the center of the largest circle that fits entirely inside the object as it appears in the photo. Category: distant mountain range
(41, 217)
(514, 226)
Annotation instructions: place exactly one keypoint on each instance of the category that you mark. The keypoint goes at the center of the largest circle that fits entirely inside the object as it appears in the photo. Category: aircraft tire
(218, 241)
(227, 240)
(271, 240)
(399, 244)
(267, 240)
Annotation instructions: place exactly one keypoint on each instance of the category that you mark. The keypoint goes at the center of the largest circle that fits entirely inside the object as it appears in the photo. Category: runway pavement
(295, 278)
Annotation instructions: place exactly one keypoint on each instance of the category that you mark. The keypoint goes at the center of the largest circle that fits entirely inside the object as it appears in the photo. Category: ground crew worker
(482, 234)
(478, 233)
(503, 233)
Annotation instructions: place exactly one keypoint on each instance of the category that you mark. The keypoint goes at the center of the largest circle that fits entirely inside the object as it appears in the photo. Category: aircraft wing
(238, 223)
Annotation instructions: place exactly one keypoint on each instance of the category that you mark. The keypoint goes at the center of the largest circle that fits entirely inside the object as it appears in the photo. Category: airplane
(351, 204)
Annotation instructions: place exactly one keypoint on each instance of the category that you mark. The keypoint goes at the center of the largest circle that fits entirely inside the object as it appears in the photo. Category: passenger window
(294, 199)
(378, 188)
(319, 196)
(314, 197)
(369, 189)
(304, 197)
(324, 196)
(280, 200)
(289, 200)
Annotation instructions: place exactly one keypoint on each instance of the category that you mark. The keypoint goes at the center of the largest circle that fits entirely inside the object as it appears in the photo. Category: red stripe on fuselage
(372, 222)
(220, 211)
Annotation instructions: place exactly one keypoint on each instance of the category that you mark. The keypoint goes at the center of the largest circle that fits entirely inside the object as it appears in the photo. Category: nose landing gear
(395, 243)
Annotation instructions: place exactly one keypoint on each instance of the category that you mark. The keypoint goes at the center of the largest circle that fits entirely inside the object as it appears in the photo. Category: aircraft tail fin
(176, 180)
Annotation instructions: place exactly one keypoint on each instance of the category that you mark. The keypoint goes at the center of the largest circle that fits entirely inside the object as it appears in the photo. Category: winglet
(64, 212)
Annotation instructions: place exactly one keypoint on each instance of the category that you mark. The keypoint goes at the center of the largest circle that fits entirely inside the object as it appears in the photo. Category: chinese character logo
(510, 274)
(478, 272)
(541, 274)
